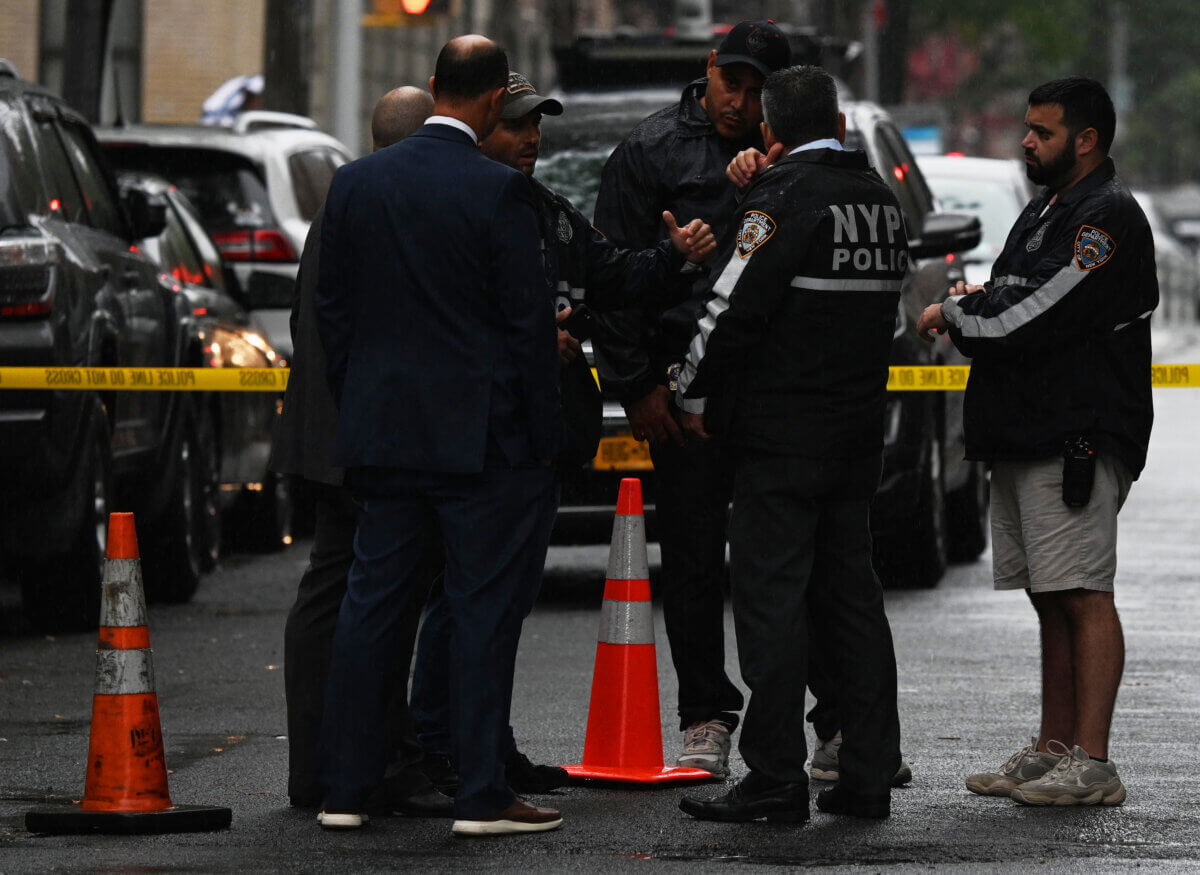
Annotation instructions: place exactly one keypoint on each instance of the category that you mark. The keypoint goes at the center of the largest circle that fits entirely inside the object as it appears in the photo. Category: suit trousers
(490, 525)
(691, 494)
(307, 640)
(800, 541)
(430, 700)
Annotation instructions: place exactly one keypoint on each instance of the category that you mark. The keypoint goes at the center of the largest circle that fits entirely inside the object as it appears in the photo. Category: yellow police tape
(935, 378)
(147, 379)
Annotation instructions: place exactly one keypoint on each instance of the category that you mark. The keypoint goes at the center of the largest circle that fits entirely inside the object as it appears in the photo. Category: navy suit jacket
(432, 309)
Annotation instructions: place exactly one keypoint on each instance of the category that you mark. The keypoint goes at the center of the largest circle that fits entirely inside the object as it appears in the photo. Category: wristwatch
(673, 376)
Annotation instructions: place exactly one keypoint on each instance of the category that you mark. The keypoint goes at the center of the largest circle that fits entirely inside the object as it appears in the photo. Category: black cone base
(74, 821)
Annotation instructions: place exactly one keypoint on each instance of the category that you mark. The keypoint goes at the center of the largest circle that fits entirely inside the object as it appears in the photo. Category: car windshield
(227, 190)
(576, 144)
(17, 169)
(992, 202)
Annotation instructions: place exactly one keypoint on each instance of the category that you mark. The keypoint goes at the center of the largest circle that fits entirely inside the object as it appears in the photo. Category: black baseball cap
(521, 98)
(760, 44)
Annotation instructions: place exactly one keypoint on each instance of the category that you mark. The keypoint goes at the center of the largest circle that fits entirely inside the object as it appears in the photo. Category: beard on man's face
(1053, 170)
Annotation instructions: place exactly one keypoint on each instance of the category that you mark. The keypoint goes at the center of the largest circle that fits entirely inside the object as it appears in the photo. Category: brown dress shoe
(518, 817)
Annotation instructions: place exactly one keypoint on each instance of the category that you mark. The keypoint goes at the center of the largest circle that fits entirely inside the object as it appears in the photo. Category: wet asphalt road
(968, 697)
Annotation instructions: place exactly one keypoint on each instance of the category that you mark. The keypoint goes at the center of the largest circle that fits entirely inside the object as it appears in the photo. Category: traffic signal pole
(347, 73)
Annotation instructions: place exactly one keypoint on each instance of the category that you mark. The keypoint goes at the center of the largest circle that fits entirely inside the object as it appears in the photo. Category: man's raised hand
(748, 163)
(695, 240)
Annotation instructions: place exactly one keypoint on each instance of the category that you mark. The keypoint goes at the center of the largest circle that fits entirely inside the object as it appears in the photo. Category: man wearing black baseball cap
(675, 160)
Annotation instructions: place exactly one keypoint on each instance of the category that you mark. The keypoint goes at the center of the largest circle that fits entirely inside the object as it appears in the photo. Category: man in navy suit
(441, 356)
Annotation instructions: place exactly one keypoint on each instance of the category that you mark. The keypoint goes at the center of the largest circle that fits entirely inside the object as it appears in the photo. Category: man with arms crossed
(1058, 402)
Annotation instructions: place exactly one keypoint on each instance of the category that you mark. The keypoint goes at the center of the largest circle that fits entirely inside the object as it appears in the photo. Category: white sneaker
(341, 819)
(1025, 765)
(824, 763)
(706, 746)
(1077, 779)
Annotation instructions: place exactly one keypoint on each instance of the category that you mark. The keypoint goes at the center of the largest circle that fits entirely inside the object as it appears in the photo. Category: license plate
(622, 453)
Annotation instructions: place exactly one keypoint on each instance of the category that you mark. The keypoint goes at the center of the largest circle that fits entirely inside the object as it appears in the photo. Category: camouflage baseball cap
(521, 98)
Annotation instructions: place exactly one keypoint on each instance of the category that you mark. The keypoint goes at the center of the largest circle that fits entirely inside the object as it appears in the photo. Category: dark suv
(75, 291)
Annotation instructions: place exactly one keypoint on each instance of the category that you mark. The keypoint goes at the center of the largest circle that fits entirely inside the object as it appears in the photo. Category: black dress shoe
(838, 800)
(424, 803)
(525, 777)
(753, 798)
(441, 773)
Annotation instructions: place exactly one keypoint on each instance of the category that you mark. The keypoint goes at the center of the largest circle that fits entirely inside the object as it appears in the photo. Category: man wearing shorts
(1058, 402)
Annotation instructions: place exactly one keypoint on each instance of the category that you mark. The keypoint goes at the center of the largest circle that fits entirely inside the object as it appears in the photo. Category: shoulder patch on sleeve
(1092, 247)
(757, 228)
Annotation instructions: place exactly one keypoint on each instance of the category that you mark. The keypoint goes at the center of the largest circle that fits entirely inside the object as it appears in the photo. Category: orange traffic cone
(126, 785)
(624, 732)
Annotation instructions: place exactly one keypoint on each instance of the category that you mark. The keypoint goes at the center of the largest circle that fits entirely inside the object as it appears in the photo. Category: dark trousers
(307, 640)
(430, 700)
(490, 524)
(800, 540)
(692, 486)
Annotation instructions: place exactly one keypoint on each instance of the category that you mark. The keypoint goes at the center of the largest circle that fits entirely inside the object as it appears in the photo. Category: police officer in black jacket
(675, 160)
(584, 273)
(790, 365)
(1059, 403)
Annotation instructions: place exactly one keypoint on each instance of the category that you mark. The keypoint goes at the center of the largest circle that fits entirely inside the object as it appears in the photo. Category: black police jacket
(795, 340)
(673, 160)
(1060, 336)
(588, 273)
(584, 267)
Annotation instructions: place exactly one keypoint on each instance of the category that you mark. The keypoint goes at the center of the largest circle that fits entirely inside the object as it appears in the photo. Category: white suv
(257, 186)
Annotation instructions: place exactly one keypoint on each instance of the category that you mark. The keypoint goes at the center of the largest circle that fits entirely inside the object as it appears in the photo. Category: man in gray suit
(303, 447)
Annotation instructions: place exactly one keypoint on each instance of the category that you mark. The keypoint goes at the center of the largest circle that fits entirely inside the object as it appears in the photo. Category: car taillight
(272, 246)
(234, 245)
(261, 245)
(25, 265)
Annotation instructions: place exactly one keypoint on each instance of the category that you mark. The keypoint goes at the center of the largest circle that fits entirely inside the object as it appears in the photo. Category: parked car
(257, 187)
(229, 475)
(994, 189)
(932, 504)
(76, 290)
(1178, 271)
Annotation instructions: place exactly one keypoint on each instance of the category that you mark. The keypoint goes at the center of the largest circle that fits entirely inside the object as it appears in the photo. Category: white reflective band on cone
(626, 623)
(625, 563)
(124, 603)
(124, 672)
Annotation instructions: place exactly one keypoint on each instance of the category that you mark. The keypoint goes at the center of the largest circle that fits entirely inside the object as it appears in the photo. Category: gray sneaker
(824, 763)
(1077, 779)
(1025, 765)
(706, 746)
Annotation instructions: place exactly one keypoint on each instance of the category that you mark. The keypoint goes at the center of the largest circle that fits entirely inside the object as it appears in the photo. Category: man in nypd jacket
(1059, 386)
(790, 365)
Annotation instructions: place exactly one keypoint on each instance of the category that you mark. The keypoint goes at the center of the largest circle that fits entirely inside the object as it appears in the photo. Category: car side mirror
(945, 233)
(147, 212)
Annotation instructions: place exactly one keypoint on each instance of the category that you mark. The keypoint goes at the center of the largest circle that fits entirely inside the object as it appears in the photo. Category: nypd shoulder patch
(1092, 248)
(756, 229)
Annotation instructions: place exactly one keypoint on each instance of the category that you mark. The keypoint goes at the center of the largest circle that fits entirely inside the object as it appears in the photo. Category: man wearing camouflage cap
(584, 272)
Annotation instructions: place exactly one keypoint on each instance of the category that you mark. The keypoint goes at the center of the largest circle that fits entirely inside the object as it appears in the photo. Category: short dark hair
(800, 105)
(1085, 104)
(464, 74)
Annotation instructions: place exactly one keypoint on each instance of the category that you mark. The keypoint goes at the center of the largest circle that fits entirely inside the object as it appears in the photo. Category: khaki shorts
(1040, 544)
